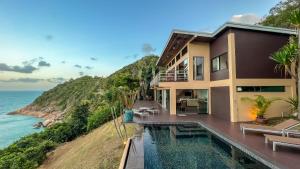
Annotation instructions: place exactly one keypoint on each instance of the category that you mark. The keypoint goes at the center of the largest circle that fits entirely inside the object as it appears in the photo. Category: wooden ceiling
(176, 42)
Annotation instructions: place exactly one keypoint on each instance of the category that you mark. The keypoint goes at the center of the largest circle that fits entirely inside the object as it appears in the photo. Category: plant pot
(261, 120)
(128, 116)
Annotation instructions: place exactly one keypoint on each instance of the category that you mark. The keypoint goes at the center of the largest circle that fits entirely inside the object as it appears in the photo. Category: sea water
(13, 127)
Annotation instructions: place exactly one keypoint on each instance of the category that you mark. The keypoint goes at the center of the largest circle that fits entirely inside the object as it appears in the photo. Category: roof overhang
(179, 38)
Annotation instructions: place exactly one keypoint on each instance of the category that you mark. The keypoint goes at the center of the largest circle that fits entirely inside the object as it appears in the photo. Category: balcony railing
(178, 76)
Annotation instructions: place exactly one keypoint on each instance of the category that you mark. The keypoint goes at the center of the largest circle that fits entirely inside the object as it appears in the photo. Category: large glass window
(191, 101)
(198, 68)
(219, 62)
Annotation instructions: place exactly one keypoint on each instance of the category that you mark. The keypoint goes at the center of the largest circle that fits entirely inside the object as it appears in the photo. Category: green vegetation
(287, 14)
(293, 102)
(100, 148)
(86, 102)
(30, 151)
(96, 90)
(261, 104)
(286, 59)
(279, 16)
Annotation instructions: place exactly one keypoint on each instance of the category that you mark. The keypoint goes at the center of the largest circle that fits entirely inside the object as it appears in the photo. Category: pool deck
(252, 144)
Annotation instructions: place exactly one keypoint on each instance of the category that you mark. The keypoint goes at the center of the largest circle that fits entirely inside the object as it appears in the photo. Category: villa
(196, 117)
(209, 73)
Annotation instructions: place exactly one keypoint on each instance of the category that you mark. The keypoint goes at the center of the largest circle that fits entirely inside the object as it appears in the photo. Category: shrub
(59, 133)
(98, 118)
(79, 118)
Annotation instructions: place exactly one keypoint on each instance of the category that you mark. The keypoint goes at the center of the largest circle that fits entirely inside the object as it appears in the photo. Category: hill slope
(102, 148)
(56, 103)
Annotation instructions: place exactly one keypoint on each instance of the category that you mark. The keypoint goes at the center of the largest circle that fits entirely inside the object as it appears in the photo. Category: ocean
(13, 127)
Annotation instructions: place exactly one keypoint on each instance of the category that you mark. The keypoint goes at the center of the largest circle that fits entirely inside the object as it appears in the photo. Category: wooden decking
(252, 144)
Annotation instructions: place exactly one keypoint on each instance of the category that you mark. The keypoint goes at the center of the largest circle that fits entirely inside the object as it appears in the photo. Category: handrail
(171, 76)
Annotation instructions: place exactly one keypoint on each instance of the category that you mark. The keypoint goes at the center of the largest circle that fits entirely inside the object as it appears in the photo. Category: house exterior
(209, 73)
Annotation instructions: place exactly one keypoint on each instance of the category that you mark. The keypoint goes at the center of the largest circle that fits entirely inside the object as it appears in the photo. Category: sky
(44, 43)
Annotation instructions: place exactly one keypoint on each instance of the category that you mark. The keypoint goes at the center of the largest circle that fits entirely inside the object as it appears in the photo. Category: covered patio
(252, 144)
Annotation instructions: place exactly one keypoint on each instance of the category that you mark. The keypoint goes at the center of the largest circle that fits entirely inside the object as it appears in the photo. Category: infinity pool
(191, 147)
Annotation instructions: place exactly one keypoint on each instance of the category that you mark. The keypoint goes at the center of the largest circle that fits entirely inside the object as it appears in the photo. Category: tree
(286, 59)
(295, 21)
(79, 118)
(279, 15)
(289, 55)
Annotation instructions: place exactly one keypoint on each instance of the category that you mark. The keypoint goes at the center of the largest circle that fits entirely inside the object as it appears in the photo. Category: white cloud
(246, 18)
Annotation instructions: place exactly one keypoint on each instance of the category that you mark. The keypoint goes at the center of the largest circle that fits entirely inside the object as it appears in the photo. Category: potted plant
(128, 98)
(260, 106)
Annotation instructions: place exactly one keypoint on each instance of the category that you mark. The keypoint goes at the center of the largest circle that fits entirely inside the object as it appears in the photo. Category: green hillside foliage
(278, 15)
(73, 92)
(65, 96)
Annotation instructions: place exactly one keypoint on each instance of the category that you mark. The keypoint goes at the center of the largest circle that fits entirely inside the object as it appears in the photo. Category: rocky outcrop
(49, 114)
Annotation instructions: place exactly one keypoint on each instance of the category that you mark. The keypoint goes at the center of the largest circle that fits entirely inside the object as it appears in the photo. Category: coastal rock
(50, 114)
(38, 125)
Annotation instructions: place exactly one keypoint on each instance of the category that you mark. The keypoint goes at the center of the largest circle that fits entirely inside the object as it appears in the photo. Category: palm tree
(286, 58)
(295, 21)
(289, 55)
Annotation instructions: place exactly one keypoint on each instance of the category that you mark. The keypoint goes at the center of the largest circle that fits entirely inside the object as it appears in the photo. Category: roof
(183, 36)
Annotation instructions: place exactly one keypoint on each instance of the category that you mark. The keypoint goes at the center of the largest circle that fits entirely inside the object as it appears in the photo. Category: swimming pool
(190, 146)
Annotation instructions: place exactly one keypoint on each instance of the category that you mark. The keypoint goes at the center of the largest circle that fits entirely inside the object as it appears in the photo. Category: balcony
(172, 76)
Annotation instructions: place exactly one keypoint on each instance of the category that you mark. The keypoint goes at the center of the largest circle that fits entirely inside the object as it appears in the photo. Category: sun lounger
(282, 141)
(140, 113)
(277, 129)
(295, 133)
(153, 111)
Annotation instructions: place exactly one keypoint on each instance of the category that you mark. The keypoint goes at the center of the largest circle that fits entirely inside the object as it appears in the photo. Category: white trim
(244, 129)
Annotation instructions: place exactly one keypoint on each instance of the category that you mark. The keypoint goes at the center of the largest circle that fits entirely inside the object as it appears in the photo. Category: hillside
(279, 14)
(55, 104)
(100, 148)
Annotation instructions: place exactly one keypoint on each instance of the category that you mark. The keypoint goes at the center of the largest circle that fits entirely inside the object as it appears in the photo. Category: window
(184, 51)
(223, 61)
(260, 89)
(215, 64)
(219, 62)
(178, 57)
(198, 68)
(182, 70)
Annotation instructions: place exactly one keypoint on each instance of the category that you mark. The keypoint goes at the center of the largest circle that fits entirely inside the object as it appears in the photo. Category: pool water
(191, 147)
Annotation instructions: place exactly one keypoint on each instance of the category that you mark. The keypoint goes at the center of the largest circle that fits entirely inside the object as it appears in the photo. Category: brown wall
(220, 102)
(253, 50)
(218, 47)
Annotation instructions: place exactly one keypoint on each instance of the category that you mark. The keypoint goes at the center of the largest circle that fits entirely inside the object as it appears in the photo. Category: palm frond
(295, 18)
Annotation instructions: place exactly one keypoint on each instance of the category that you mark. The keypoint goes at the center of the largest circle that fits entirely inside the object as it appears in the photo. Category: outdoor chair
(277, 129)
(282, 141)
